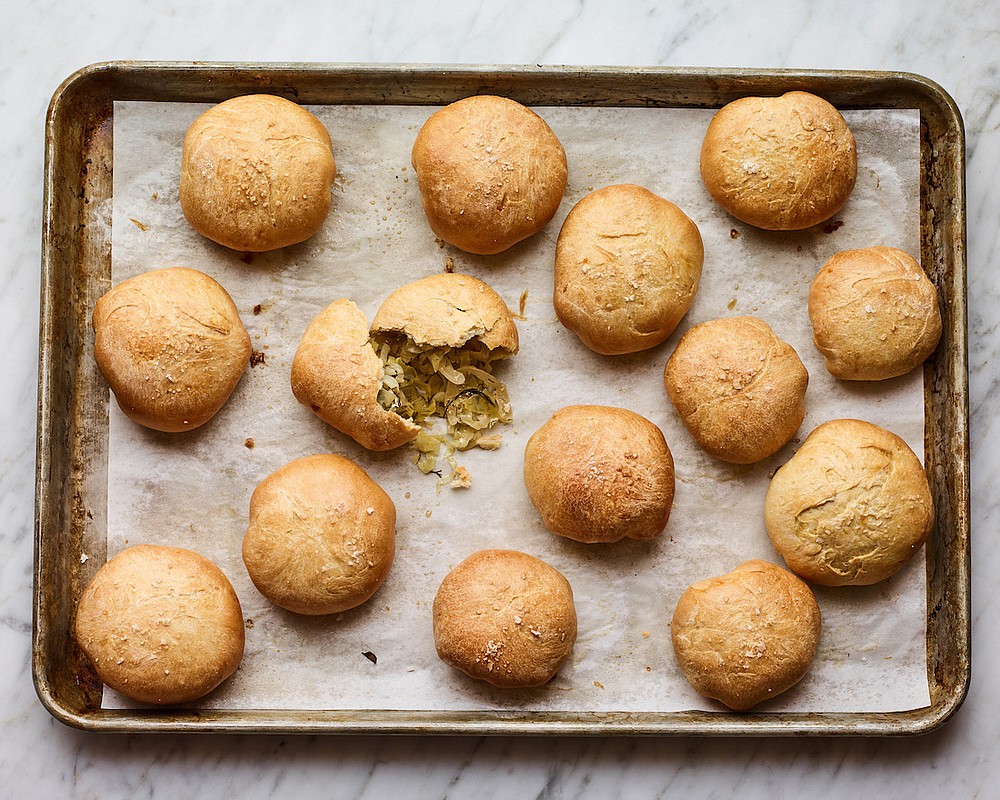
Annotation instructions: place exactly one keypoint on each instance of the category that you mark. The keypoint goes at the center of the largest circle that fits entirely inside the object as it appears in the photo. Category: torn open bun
(448, 310)
(428, 355)
(337, 374)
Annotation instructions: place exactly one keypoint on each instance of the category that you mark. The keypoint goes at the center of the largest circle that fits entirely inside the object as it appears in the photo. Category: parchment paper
(193, 489)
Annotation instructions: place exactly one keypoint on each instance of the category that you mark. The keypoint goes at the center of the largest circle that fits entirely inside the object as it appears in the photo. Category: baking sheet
(193, 490)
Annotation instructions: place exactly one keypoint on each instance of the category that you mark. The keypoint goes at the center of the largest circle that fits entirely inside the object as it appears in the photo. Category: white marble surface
(956, 44)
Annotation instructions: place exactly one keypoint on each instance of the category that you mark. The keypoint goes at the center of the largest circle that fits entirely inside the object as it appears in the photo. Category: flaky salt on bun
(448, 310)
(737, 387)
(337, 375)
(321, 536)
(779, 163)
(256, 173)
(600, 474)
(627, 267)
(746, 636)
(874, 314)
(160, 624)
(506, 618)
(172, 347)
(850, 507)
(491, 173)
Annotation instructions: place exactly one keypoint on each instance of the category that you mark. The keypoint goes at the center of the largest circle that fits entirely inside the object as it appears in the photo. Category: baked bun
(874, 314)
(506, 618)
(373, 383)
(448, 309)
(256, 173)
(160, 624)
(491, 173)
(779, 163)
(599, 474)
(850, 507)
(338, 375)
(746, 636)
(321, 537)
(172, 347)
(627, 268)
(737, 387)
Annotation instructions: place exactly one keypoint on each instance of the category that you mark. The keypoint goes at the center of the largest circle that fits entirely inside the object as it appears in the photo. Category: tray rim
(362, 721)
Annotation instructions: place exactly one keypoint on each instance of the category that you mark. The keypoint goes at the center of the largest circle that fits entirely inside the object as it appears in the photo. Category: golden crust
(628, 264)
(337, 374)
(160, 624)
(737, 387)
(779, 163)
(506, 618)
(491, 173)
(874, 314)
(172, 347)
(256, 173)
(321, 535)
(448, 309)
(850, 507)
(600, 474)
(746, 636)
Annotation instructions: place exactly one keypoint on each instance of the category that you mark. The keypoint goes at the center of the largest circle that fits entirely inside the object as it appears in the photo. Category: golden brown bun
(599, 474)
(172, 347)
(627, 268)
(160, 624)
(256, 173)
(737, 387)
(337, 374)
(448, 309)
(850, 507)
(779, 163)
(874, 314)
(746, 636)
(321, 537)
(506, 618)
(491, 173)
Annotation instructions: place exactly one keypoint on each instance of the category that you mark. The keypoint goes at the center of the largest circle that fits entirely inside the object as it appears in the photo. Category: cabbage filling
(423, 383)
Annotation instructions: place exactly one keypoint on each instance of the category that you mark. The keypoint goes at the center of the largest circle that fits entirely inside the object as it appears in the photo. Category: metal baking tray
(71, 484)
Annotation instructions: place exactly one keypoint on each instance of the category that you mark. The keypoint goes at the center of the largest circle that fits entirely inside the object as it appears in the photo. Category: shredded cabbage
(425, 382)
